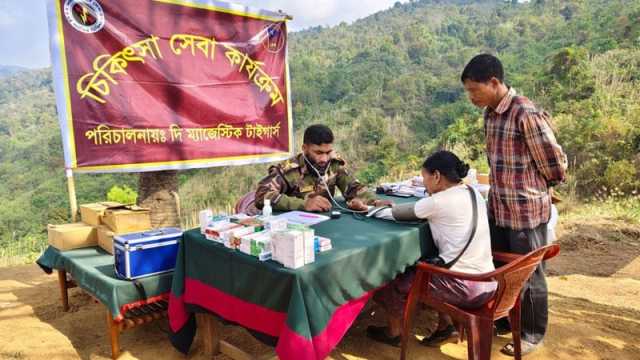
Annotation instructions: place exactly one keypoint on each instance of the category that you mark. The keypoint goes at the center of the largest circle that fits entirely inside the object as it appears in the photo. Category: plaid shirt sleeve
(550, 160)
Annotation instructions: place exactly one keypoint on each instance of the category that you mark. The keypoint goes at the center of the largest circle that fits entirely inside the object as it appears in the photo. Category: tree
(159, 192)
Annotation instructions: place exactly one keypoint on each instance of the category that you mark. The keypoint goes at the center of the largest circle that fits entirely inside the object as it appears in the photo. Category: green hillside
(8, 70)
(389, 87)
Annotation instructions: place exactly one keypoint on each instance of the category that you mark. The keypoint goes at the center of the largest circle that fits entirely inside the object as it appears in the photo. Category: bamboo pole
(73, 201)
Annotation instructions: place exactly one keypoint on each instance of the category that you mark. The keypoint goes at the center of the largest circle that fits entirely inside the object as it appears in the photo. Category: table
(92, 270)
(309, 309)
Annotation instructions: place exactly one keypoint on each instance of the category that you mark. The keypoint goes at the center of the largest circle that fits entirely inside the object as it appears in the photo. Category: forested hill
(394, 76)
(389, 86)
(8, 70)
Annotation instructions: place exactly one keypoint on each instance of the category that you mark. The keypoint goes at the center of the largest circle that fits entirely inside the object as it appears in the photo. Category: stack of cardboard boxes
(100, 223)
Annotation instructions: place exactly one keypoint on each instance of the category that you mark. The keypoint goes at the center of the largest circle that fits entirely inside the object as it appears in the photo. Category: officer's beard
(322, 169)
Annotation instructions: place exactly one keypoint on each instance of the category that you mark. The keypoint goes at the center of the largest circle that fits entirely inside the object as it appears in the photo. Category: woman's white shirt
(450, 213)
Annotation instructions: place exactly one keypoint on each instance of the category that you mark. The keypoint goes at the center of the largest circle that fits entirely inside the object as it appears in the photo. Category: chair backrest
(246, 204)
(512, 277)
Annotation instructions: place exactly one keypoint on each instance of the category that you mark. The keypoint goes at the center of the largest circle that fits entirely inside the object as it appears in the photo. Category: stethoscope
(326, 186)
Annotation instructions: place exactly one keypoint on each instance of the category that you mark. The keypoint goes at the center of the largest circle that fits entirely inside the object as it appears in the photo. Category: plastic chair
(478, 323)
(246, 204)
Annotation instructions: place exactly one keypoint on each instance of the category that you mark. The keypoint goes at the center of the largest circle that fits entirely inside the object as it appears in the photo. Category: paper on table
(303, 218)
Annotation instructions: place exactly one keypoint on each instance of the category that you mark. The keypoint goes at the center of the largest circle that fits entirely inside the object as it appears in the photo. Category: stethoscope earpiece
(323, 180)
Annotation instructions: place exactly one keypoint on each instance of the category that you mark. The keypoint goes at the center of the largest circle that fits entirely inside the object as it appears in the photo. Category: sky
(24, 34)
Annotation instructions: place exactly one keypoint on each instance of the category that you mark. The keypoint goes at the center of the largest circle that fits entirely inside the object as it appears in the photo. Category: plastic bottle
(266, 209)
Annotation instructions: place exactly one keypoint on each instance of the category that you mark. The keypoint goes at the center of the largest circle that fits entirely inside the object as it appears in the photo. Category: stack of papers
(303, 218)
(405, 188)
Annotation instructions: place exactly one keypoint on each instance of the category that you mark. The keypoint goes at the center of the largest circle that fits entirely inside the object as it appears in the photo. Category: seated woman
(449, 210)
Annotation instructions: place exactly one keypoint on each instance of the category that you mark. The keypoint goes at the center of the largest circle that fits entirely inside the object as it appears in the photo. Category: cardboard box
(127, 219)
(216, 231)
(276, 224)
(287, 248)
(256, 244)
(321, 244)
(92, 213)
(231, 239)
(105, 238)
(308, 236)
(72, 236)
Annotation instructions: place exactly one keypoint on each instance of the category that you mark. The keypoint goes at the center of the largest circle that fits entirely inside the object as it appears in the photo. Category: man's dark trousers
(534, 302)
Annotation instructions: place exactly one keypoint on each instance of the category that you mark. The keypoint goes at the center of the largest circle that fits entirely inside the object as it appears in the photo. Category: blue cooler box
(146, 253)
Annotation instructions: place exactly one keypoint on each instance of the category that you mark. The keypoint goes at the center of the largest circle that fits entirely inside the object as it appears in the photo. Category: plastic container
(266, 209)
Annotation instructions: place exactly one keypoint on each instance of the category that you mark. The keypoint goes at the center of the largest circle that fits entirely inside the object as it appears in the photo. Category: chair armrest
(422, 266)
(505, 257)
(554, 250)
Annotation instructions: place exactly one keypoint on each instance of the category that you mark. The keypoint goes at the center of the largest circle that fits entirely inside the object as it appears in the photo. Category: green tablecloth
(92, 269)
(308, 309)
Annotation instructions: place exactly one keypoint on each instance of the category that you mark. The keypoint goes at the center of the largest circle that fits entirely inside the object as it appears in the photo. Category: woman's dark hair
(447, 164)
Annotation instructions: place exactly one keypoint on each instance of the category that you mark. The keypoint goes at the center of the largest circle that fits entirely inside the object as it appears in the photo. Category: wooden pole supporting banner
(73, 201)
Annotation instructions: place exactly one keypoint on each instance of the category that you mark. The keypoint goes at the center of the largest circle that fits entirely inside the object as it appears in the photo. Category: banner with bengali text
(145, 85)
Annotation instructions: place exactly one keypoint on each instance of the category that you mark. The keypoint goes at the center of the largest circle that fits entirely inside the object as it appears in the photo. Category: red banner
(169, 84)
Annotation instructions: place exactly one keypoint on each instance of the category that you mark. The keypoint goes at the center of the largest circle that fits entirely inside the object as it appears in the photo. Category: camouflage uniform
(290, 183)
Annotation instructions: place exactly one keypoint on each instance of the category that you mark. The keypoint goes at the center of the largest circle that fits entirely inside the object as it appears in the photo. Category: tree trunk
(158, 191)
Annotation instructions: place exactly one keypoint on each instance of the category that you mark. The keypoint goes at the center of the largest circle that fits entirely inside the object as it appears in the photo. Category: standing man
(525, 161)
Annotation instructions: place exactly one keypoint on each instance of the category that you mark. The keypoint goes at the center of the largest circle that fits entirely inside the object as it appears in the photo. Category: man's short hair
(482, 68)
(317, 135)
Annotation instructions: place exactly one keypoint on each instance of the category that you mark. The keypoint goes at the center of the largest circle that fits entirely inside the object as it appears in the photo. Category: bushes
(124, 194)
(601, 134)
(622, 175)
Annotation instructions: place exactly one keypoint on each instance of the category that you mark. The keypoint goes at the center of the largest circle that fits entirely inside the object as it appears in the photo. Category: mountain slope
(389, 87)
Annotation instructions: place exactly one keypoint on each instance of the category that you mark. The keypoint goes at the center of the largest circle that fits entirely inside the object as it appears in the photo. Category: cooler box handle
(153, 233)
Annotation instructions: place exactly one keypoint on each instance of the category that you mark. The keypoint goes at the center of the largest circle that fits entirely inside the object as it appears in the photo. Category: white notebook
(303, 218)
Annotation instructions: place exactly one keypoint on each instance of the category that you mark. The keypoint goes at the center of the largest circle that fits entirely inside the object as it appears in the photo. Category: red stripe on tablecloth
(292, 345)
(231, 308)
(178, 315)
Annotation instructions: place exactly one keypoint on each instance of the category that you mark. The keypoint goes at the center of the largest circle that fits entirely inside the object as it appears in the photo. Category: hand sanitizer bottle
(266, 209)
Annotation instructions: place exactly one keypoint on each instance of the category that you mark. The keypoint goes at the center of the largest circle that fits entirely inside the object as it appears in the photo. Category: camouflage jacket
(290, 183)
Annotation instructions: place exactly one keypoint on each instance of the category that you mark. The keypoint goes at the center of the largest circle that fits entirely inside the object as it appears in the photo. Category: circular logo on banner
(85, 16)
(274, 42)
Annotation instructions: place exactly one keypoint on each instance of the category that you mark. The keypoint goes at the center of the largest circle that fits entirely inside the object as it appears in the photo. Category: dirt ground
(594, 297)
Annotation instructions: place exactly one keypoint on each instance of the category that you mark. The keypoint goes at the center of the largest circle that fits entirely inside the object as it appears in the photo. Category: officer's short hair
(482, 68)
(317, 135)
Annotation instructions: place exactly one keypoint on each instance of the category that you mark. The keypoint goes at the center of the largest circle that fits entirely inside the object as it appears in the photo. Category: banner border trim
(288, 91)
(239, 158)
(206, 6)
(67, 89)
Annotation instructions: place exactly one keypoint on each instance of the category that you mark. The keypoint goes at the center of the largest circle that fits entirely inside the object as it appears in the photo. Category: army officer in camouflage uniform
(301, 183)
